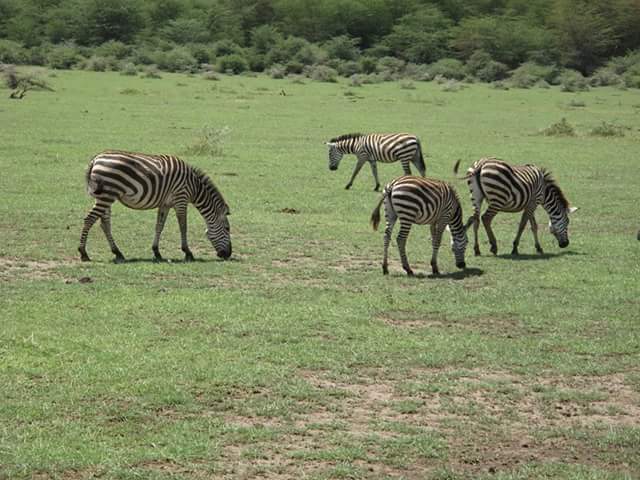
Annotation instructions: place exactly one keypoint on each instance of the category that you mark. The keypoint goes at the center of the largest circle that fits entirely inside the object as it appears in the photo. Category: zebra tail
(93, 187)
(375, 215)
(456, 167)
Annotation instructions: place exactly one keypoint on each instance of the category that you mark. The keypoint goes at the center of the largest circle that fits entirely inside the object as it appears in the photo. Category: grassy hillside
(298, 357)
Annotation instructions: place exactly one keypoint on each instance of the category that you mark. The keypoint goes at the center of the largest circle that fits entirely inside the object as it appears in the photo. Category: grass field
(298, 359)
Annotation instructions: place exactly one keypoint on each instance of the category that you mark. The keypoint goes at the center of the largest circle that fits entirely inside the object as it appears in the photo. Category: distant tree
(584, 35)
(112, 20)
(343, 47)
(421, 36)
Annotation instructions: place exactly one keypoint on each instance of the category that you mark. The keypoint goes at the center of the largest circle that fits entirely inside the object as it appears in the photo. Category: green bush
(573, 81)
(128, 68)
(343, 47)
(322, 73)
(367, 65)
(178, 59)
(12, 52)
(391, 65)
(96, 64)
(233, 63)
(113, 48)
(528, 74)
(631, 77)
(448, 68)
(151, 71)
(63, 57)
(604, 77)
(293, 67)
(277, 71)
(484, 68)
(606, 129)
(559, 129)
(348, 68)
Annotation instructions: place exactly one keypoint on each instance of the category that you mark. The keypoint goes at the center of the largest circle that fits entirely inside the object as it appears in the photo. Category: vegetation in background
(592, 37)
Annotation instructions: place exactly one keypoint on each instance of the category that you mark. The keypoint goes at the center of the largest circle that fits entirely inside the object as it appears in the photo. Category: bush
(63, 57)
(573, 81)
(367, 65)
(128, 68)
(631, 77)
(356, 80)
(452, 86)
(209, 142)
(528, 74)
(113, 48)
(607, 130)
(178, 59)
(277, 71)
(322, 73)
(257, 61)
(210, 75)
(151, 71)
(605, 77)
(96, 64)
(449, 68)
(343, 47)
(484, 68)
(12, 52)
(391, 64)
(559, 129)
(232, 63)
(348, 68)
(293, 67)
(407, 85)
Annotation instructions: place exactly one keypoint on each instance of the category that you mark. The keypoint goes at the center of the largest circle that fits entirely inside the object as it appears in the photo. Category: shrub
(500, 85)
(113, 48)
(257, 61)
(417, 72)
(210, 75)
(390, 64)
(576, 102)
(322, 73)
(449, 68)
(96, 64)
(232, 63)
(293, 67)
(559, 129)
(452, 86)
(63, 56)
(407, 85)
(209, 142)
(573, 81)
(484, 68)
(12, 52)
(222, 48)
(343, 47)
(128, 68)
(604, 77)
(367, 65)
(277, 71)
(356, 80)
(348, 68)
(631, 78)
(528, 74)
(178, 59)
(607, 130)
(151, 71)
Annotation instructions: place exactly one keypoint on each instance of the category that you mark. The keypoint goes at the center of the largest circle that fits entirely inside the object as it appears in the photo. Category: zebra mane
(551, 183)
(208, 183)
(347, 136)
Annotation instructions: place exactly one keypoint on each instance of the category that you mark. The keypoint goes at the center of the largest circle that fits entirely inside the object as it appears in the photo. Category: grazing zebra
(142, 182)
(422, 201)
(375, 147)
(509, 188)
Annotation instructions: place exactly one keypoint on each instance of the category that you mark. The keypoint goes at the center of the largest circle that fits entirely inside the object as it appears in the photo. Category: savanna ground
(298, 359)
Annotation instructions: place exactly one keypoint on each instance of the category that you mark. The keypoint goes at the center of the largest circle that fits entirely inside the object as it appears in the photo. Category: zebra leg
(105, 223)
(436, 239)
(391, 221)
(475, 220)
(160, 220)
(486, 221)
(523, 223)
(405, 166)
(405, 228)
(374, 171)
(361, 162)
(101, 205)
(181, 214)
(534, 230)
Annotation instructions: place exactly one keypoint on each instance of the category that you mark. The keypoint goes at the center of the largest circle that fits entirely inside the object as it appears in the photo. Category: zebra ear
(572, 209)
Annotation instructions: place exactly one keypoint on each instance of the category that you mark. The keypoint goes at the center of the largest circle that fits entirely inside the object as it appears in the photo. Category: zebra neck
(348, 146)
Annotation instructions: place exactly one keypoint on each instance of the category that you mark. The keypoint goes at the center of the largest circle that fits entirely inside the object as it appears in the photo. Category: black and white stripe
(143, 182)
(376, 147)
(422, 201)
(509, 188)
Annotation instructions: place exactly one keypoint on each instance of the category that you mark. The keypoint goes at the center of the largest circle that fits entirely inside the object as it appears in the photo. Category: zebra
(510, 188)
(422, 201)
(141, 181)
(376, 147)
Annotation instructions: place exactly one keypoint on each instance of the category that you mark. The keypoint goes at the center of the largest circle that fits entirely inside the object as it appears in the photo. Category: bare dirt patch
(12, 269)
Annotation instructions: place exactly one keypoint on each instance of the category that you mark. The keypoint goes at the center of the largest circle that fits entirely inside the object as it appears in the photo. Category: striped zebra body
(509, 188)
(376, 147)
(143, 182)
(421, 201)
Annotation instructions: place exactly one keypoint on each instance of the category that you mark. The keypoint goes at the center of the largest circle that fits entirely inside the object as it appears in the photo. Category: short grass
(298, 359)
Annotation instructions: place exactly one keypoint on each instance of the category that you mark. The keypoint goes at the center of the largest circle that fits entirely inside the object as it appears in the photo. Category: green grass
(298, 358)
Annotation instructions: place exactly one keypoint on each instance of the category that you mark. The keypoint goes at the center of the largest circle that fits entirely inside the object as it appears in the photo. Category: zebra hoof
(385, 270)
(119, 259)
(494, 249)
(514, 251)
(410, 273)
(158, 259)
(539, 250)
(347, 187)
(85, 258)
(377, 189)
(476, 252)
(189, 258)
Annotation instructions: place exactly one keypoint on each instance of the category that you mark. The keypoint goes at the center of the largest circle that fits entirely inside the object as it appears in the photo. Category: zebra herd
(142, 181)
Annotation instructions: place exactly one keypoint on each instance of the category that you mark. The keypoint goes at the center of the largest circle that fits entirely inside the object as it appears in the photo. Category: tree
(112, 20)
(584, 36)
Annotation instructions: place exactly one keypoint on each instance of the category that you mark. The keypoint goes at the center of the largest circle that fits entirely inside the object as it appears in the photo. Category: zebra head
(219, 233)
(558, 209)
(335, 155)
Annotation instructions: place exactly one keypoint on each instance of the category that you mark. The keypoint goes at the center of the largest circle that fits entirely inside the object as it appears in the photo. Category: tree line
(349, 36)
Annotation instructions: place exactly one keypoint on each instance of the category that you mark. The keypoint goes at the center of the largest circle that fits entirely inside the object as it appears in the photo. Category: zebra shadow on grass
(537, 256)
(456, 275)
(179, 261)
